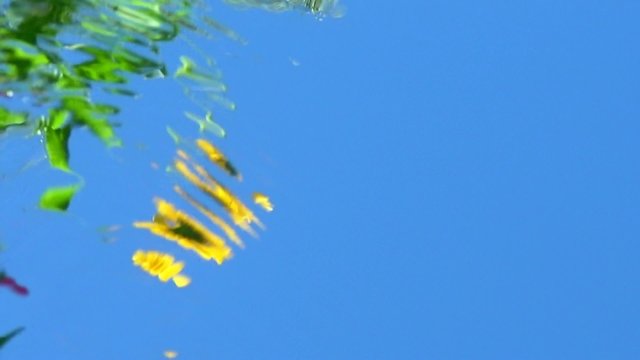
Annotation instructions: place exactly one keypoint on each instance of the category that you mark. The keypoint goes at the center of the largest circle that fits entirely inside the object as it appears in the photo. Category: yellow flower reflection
(217, 157)
(175, 225)
(226, 228)
(238, 211)
(162, 266)
(263, 201)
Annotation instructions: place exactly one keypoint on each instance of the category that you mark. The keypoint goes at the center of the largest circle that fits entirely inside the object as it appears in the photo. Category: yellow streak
(161, 265)
(181, 280)
(217, 157)
(168, 219)
(263, 201)
(226, 228)
(230, 201)
(239, 213)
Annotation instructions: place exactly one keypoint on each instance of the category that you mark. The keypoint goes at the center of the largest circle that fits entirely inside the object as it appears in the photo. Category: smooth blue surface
(452, 180)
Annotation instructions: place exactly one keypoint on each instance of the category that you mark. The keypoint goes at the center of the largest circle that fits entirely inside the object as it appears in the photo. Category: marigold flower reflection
(162, 266)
